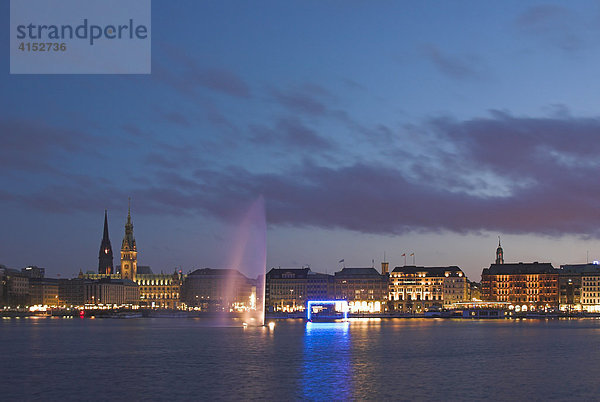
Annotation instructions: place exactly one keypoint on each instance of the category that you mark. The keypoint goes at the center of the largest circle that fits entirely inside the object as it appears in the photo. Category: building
(219, 290)
(474, 291)
(286, 289)
(590, 292)
(365, 289)
(71, 292)
(128, 251)
(105, 255)
(415, 289)
(577, 285)
(111, 292)
(16, 288)
(570, 285)
(3, 286)
(527, 286)
(455, 287)
(43, 291)
(159, 290)
(319, 286)
(34, 271)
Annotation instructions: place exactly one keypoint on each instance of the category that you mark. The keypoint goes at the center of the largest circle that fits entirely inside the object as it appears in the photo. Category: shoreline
(165, 313)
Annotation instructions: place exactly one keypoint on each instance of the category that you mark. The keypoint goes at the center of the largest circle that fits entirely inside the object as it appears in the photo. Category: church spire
(499, 253)
(128, 239)
(129, 211)
(105, 256)
(128, 250)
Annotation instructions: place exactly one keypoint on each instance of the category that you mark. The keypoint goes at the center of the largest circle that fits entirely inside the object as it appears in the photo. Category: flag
(404, 255)
(412, 255)
(340, 261)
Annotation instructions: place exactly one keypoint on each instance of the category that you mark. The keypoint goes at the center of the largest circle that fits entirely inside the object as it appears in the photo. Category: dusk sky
(369, 127)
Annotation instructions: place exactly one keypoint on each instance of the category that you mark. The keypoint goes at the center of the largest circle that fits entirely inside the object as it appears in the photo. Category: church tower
(499, 253)
(105, 256)
(128, 250)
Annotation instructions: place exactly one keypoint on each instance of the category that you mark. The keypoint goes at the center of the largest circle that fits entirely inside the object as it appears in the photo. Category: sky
(370, 128)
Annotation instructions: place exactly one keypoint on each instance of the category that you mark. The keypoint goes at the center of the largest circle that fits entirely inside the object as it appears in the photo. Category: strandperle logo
(80, 37)
(91, 32)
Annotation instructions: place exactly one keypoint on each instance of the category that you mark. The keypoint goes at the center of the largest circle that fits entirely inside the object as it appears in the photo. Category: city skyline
(368, 128)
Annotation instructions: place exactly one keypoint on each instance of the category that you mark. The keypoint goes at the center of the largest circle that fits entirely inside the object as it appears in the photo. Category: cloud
(221, 80)
(35, 146)
(496, 173)
(545, 167)
(301, 100)
(453, 66)
(290, 133)
(184, 74)
(553, 25)
(177, 119)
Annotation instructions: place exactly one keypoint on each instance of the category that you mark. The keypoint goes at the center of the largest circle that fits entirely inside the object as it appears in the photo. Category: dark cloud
(546, 167)
(34, 146)
(133, 130)
(499, 173)
(300, 101)
(221, 80)
(290, 133)
(553, 25)
(185, 74)
(452, 65)
(177, 119)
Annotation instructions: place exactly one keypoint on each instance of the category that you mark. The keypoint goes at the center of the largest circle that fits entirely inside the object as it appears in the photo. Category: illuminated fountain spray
(249, 257)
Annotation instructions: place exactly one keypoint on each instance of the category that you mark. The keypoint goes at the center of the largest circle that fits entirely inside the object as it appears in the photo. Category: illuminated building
(286, 289)
(43, 291)
(159, 290)
(570, 285)
(474, 291)
(414, 289)
(222, 290)
(105, 255)
(530, 286)
(365, 289)
(111, 292)
(590, 292)
(128, 251)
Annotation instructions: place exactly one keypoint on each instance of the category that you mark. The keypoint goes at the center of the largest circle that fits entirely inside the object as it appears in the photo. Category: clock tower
(128, 250)
(105, 256)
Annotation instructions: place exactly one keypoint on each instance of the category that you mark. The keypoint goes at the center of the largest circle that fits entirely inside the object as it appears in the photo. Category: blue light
(343, 305)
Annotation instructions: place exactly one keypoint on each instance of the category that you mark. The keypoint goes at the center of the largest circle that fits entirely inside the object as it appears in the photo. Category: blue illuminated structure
(340, 304)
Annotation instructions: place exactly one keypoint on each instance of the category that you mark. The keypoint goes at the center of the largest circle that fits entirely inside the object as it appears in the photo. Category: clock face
(105, 251)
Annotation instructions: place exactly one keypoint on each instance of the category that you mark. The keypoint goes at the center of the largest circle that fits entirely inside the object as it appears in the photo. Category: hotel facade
(415, 289)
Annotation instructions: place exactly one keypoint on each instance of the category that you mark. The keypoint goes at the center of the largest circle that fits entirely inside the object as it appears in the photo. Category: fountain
(249, 256)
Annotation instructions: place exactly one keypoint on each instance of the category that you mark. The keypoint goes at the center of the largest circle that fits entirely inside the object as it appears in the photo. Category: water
(395, 359)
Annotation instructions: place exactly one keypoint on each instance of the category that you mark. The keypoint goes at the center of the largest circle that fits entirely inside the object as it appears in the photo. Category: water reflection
(326, 369)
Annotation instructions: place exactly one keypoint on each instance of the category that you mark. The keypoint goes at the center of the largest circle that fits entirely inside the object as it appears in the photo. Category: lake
(383, 359)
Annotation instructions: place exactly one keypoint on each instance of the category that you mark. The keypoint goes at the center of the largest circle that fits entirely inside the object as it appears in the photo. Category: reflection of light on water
(326, 371)
(327, 327)
(271, 325)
